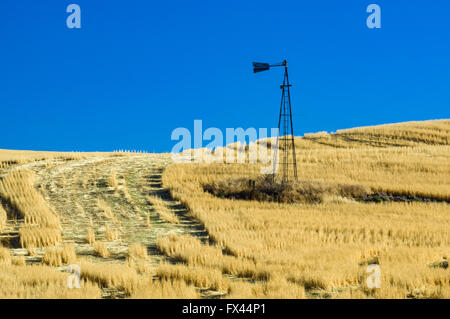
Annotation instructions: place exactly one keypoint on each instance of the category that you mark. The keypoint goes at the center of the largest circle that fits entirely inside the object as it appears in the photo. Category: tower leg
(286, 133)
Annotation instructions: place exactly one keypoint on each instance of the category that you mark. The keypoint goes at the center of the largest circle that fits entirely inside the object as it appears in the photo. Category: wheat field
(140, 226)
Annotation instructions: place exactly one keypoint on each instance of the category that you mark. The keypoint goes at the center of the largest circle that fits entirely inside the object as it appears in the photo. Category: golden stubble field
(141, 227)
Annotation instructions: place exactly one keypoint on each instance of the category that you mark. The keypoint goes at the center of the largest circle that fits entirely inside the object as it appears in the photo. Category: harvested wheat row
(190, 250)
(3, 218)
(278, 288)
(112, 181)
(41, 282)
(101, 249)
(17, 189)
(198, 276)
(34, 236)
(161, 209)
(42, 226)
(164, 289)
(111, 234)
(186, 248)
(18, 261)
(137, 251)
(5, 256)
(58, 256)
(110, 275)
(90, 236)
(147, 220)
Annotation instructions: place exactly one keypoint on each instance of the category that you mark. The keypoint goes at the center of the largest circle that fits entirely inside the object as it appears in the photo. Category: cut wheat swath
(41, 224)
(161, 209)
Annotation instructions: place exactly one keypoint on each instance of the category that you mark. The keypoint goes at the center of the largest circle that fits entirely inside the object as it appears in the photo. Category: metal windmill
(285, 137)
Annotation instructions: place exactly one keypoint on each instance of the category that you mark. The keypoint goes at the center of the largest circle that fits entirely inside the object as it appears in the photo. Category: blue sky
(137, 70)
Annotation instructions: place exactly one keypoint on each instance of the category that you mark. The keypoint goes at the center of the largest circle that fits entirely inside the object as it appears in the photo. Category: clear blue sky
(136, 70)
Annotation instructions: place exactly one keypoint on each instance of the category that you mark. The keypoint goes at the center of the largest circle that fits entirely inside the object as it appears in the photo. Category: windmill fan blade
(259, 67)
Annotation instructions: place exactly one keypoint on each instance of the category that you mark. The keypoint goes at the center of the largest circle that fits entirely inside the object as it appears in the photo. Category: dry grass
(31, 251)
(266, 188)
(409, 134)
(115, 276)
(112, 181)
(164, 289)
(277, 288)
(18, 191)
(90, 236)
(139, 260)
(319, 247)
(35, 236)
(147, 220)
(3, 218)
(164, 213)
(137, 251)
(401, 134)
(313, 242)
(18, 261)
(5, 256)
(42, 225)
(59, 256)
(206, 278)
(125, 193)
(41, 282)
(101, 249)
(13, 157)
(189, 250)
(111, 234)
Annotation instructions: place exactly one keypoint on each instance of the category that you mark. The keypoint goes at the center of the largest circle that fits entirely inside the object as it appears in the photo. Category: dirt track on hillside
(73, 189)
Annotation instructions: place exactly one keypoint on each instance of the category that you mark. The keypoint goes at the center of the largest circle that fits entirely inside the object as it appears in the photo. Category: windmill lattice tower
(285, 144)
